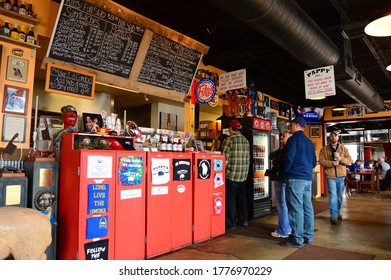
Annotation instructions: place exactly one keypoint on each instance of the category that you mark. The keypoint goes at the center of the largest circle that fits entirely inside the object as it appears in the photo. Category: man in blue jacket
(299, 160)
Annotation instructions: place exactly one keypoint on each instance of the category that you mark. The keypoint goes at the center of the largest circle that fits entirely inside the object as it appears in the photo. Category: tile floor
(366, 228)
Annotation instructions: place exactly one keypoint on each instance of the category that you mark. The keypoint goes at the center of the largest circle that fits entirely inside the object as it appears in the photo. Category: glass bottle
(22, 8)
(15, 32)
(163, 144)
(29, 11)
(6, 30)
(30, 38)
(169, 144)
(22, 34)
(7, 4)
(15, 6)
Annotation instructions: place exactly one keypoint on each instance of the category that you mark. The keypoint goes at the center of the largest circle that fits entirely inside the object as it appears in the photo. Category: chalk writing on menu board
(169, 65)
(62, 79)
(94, 38)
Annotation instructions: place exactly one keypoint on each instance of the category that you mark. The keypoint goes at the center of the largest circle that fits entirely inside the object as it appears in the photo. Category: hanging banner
(97, 227)
(217, 204)
(182, 169)
(98, 250)
(160, 171)
(232, 80)
(130, 171)
(319, 82)
(203, 169)
(98, 199)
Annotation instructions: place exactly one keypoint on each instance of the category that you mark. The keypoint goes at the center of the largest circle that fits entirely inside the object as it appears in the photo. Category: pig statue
(25, 233)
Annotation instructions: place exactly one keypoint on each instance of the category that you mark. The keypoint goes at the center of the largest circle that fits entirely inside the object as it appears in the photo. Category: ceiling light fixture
(318, 98)
(344, 132)
(380, 27)
(339, 108)
(388, 68)
(146, 98)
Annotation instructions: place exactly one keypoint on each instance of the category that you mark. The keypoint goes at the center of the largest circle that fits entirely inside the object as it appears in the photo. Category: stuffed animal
(25, 233)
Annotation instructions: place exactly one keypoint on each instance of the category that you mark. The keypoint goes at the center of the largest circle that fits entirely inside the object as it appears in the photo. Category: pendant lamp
(339, 108)
(380, 27)
(344, 132)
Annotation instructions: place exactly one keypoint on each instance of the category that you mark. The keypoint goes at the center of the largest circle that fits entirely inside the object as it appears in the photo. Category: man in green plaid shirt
(236, 149)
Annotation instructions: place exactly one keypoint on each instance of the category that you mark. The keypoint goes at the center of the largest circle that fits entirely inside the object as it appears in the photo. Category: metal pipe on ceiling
(285, 23)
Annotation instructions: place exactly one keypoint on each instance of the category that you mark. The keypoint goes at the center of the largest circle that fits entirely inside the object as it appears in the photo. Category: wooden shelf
(17, 16)
(17, 42)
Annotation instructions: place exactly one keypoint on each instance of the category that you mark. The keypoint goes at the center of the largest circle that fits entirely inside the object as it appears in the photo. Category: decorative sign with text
(232, 80)
(205, 90)
(89, 36)
(98, 202)
(68, 81)
(319, 82)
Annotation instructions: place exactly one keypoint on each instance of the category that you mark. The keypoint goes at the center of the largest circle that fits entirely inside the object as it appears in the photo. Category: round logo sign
(205, 90)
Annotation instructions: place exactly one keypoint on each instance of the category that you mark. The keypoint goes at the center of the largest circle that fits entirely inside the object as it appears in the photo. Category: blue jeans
(336, 188)
(300, 210)
(283, 221)
(236, 203)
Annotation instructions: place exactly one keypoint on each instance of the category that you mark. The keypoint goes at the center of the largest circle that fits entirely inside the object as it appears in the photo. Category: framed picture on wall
(17, 69)
(355, 111)
(14, 124)
(15, 100)
(168, 121)
(315, 131)
(91, 122)
(340, 113)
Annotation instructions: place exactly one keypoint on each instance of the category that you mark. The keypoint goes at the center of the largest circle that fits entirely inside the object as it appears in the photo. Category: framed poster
(15, 100)
(92, 122)
(17, 69)
(355, 111)
(12, 125)
(266, 100)
(168, 121)
(315, 131)
(340, 113)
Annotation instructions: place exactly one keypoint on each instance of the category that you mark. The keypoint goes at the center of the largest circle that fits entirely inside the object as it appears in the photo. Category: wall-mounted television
(311, 114)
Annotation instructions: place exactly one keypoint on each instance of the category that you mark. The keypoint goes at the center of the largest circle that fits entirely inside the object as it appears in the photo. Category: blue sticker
(97, 227)
(218, 165)
(98, 199)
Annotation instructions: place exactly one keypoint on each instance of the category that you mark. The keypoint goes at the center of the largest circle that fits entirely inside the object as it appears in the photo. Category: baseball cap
(235, 124)
(336, 132)
(300, 121)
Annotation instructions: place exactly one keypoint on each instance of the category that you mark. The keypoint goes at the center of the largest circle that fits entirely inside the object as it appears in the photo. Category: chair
(351, 184)
(372, 183)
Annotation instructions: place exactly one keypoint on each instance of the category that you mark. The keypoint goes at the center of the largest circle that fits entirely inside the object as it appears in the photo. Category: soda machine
(259, 133)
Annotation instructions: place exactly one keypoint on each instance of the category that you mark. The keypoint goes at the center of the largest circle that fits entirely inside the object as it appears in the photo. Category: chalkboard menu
(69, 81)
(169, 65)
(94, 38)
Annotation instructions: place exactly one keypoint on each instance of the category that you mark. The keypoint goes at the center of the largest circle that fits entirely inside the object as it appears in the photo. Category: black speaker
(196, 116)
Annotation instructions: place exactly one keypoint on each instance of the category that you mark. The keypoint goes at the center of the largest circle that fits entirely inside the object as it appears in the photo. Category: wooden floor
(365, 230)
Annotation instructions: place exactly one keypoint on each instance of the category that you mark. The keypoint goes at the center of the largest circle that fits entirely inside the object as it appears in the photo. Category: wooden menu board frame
(73, 82)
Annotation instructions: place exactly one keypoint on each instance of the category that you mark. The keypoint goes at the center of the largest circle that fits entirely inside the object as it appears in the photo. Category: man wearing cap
(236, 149)
(335, 158)
(299, 159)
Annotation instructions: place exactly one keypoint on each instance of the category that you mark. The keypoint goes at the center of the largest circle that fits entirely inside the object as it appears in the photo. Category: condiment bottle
(15, 32)
(22, 34)
(30, 38)
(6, 30)
(22, 8)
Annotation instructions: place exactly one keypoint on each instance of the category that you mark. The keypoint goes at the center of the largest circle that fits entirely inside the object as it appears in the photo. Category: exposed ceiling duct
(287, 25)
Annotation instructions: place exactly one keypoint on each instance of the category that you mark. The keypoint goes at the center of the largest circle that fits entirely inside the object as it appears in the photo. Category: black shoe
(245, 224)
(339, 217)
(333, 220)
(306, 242)
(290, 243)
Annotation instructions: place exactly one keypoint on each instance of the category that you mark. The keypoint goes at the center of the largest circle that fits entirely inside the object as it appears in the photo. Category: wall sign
(89, 36)
(68, 81)
(17, 69)
(205, 90)
(319, 82)
(169, 65)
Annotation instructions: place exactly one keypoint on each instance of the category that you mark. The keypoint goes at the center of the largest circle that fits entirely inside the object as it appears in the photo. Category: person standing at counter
(236, 149)
(299, 159)
(335, 157)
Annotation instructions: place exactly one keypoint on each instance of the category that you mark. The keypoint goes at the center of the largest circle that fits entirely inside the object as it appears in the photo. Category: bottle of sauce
(7, 4)
(22, 34)
(30, 38)
(15, 6)
(6, 30)
(169, 144)
(15, 32)
(163, 144)
(29, 11)
(22, 8)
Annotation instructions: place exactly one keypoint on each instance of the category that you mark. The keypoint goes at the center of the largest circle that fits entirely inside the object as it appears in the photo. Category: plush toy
(25, 233)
